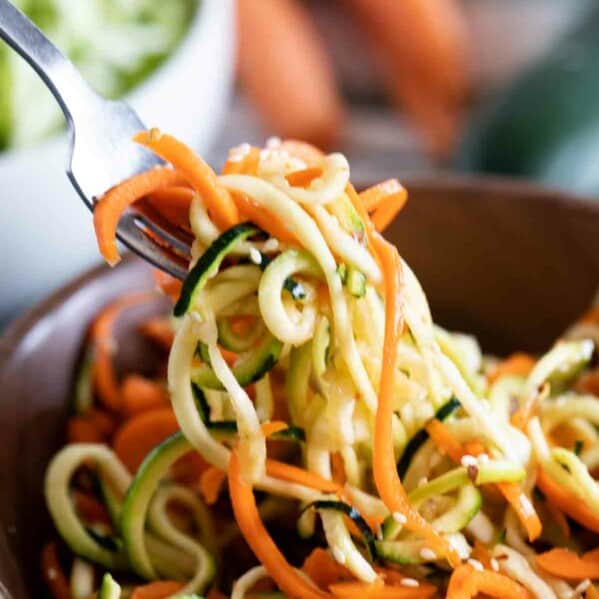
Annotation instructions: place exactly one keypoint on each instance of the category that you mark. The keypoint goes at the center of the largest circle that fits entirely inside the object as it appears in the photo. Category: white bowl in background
(46, 233)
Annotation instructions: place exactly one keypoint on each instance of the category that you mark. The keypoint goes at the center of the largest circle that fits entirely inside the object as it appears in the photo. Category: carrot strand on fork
(173, 203)
(303, 177)
(383, 201)
(244, 164)
(269, 223)
(196, 172)
(115, 201)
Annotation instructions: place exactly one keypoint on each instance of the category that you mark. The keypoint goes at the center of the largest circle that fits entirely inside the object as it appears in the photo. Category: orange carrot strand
(157, 590)
(247, 165)
(173, 203)
(567, 564)
(140, 394)
(52, 572)
(102, 338)
(198, 174)
(114, 202)
(466, 583)
(303, 177)
(386, 478)
(518, 364)
(211, 484)
(565, 500)
(260, 542)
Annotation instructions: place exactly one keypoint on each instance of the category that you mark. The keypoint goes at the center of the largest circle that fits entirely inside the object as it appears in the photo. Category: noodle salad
(312, 432)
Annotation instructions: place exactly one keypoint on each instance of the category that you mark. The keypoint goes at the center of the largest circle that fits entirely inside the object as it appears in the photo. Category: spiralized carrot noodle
(197, 173)
(111, 206)
(299, 405)
(104, 345)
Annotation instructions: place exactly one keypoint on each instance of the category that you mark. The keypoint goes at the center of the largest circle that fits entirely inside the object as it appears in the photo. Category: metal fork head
(102, 152)
(102, 155)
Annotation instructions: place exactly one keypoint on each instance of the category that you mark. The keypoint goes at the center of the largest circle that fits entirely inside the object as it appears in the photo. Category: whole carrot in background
(420, 47)
(286, 72)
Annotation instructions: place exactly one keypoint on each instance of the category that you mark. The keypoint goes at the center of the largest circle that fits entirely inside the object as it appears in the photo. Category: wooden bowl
(510, 262)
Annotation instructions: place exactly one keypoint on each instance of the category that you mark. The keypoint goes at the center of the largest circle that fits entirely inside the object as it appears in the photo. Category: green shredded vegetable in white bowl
(173, 61)
(116, 44)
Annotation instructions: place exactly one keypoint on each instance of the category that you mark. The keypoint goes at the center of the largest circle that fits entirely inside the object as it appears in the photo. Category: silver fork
(101, 153)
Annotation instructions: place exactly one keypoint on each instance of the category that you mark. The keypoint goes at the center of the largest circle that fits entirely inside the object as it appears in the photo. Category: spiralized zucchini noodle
(310, 431)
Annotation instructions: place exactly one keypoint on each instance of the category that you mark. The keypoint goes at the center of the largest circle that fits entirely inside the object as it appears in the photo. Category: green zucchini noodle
(57, 488)
(160, 522)
(279, 373)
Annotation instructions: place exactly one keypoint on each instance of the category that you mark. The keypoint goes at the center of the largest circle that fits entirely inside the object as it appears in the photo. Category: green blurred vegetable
(545, 126)
(115, 44)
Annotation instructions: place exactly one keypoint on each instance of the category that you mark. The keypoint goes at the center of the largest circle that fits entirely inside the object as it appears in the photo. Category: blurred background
(502, 87)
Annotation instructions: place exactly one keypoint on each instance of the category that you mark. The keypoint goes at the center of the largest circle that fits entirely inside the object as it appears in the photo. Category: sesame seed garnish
(423, 481)
(476, 564)
(427, 554)
(399, 518)
(494, 564)
(409, 582)
(271, 245)
(273, 142)
(255, 256)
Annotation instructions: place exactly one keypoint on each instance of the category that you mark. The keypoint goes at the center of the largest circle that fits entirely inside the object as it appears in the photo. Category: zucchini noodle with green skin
(275, 378)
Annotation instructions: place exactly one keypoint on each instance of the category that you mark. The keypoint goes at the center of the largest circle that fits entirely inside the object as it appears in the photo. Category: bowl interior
(508, 262)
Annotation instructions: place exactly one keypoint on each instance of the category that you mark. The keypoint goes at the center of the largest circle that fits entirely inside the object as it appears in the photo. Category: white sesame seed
(238, 153)
(422, 481)
(427, 554)
(468, 460)
(271, 245)
(255, 256)
(379, 532)
(494, 564)
(399, 518)
(273, 142)
(196, 317)
(476, 564)
(462, 551)
(338, 555)
(483, 458)
(409, 582)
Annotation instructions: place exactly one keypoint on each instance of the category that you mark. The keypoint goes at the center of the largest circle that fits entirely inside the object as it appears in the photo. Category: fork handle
(72, 92)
